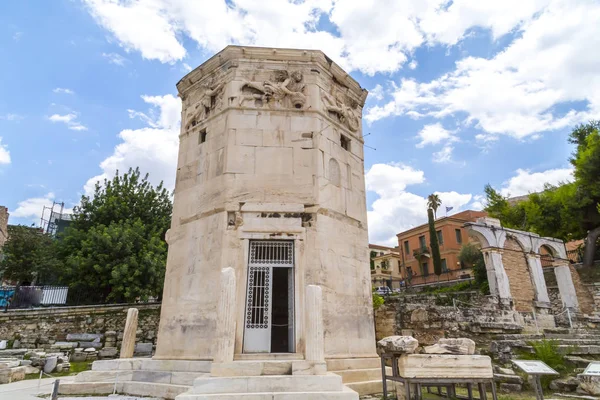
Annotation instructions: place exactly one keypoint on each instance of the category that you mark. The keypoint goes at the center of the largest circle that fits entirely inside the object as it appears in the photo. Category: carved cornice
(231, 53)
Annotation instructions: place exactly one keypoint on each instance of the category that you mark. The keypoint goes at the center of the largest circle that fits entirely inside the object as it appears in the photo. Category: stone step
(361, 375)
(340, 364)
(368, 387)
(343, 394)
(175, 378)
(151, 365)
(161, 390)
(268, 384)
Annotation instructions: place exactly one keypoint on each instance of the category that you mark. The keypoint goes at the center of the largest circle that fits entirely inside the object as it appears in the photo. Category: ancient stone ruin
(266, 287)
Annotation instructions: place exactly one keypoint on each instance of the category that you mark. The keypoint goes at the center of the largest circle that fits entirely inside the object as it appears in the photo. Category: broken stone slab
(89, 350)
(108, 352)
(64, 345)
(142, 349)
(84, 337)
(514, 379)
(504, 371)
(12, 352)
(565, 385)
(452, 346)
(78, 357)
(50, 364)
(96, 345)
(445, 366)
(31, 370)
(398, 345)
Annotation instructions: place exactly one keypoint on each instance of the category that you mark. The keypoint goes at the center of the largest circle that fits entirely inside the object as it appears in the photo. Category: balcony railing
(422, 252)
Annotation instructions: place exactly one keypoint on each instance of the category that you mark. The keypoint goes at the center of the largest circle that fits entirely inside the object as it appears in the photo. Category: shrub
(548, 352)
(377, 301)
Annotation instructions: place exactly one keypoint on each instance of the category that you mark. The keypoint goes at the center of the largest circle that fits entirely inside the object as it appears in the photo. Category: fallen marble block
(445, 366)
(398, 345)
(590, 384)
(452, 346)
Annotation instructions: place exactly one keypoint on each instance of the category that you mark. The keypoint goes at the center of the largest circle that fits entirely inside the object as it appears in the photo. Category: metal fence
(12, 297)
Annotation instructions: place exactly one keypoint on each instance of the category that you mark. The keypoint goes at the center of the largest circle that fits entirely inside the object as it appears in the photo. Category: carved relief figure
(283, 85)
(347, 115)
(211, 99)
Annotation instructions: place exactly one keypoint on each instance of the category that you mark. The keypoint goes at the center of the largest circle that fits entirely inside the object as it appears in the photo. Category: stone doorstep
(344, 394)
(268, 384)
(368, 387)
(169, 377)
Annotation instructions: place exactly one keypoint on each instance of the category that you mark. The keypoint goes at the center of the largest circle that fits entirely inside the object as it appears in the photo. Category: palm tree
(434, 202)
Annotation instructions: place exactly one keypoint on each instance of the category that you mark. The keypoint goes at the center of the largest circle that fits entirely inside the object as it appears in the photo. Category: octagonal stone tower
(270, 183)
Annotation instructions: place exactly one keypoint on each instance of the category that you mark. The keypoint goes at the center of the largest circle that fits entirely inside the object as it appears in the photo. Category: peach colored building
(386, 266)
(415, 249)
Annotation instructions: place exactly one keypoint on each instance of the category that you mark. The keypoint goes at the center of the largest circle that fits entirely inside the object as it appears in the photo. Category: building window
(345, 142)
(406, 247)
(202, 136)
(458, 236)
(444, 265)
(425, 268)
(422, 242)
(440, 237)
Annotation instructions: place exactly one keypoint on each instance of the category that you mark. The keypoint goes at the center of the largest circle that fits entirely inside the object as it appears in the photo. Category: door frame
(298, 235)
(267, 281)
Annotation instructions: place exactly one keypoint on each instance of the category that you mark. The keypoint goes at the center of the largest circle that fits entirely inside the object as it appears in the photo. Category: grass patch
(76, 367)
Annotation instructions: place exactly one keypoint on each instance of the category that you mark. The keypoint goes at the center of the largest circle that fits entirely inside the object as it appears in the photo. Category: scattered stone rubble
(16, 362)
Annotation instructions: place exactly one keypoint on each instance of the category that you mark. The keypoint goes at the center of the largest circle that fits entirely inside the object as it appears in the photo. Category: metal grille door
(264, 256)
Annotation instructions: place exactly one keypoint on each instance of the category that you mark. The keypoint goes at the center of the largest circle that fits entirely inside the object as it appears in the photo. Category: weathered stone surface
(31, 370)
(143, 349)
(504, 371)
(96, 345)
(565, 385)
(59, 368)
(445, 366)
(510, 387)
(398, 344)
(452, 346)
(108, 352)
(84, 337)
(514, 379)
(64, 345)
(128, 344)
(590, 384)
(50, 364)
(89, 350)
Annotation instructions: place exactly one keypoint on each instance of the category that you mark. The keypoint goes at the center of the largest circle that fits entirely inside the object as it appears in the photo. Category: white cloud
(115, 58)
(529, 182)
(17, 36)
(374, 35)
(153, 148)
(4, 153)
(11, 117)
(32, 208)
(63, 91)
(552, 63)
(68, 119)
(396, 209)
(186, 67)
(434, 134)
(413, 64)
(444, 155)
(377, 92)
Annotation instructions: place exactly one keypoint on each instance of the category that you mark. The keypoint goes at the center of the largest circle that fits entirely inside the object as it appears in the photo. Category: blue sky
(463, 93)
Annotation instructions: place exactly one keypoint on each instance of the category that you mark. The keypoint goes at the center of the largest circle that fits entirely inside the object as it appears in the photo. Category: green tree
(28, 256)
(472, 257)
(115, 248)
(435, 246)
(567, 211)
(434, 202)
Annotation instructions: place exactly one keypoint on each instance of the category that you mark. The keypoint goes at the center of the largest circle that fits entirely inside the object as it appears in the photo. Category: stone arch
(488, 236)
(334, 172)
(554, 246)
(547, 256)
(519, 276)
